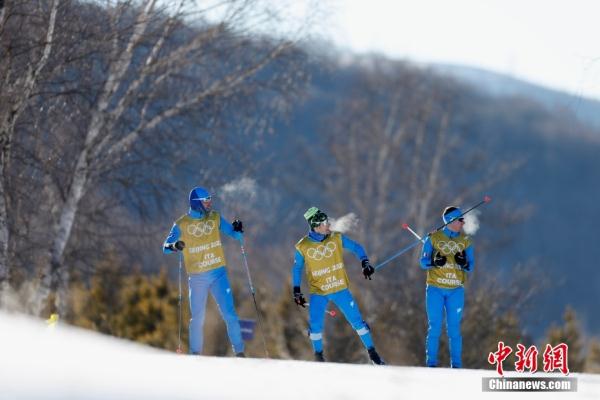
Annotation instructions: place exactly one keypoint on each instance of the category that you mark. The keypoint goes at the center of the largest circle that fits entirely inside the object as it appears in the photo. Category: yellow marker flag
(52, 321)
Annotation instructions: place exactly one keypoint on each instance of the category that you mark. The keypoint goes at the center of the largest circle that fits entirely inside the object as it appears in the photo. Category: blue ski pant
(452, 301)
(345, 302)
(217, 283)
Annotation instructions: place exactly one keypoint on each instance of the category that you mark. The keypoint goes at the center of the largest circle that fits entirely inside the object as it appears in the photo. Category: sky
(554, 43)
(60, 362)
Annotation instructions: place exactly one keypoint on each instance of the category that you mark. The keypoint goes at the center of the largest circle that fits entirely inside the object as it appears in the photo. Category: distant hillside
(495, 84)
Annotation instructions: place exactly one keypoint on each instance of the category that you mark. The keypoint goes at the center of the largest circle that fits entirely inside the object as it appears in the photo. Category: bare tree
(21, 65)
(134, 59)
(387, 144)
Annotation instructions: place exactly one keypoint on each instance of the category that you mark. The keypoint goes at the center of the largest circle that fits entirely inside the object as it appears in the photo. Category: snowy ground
(67, 363)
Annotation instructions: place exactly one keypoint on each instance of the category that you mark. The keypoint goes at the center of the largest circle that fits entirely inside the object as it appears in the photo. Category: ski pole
(486, 199)
(404, 250)
(408, 228)
(329, 312)
(179, 350)
(252, 291)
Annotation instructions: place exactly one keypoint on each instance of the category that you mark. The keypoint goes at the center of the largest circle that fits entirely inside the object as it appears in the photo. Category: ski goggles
(318, 219)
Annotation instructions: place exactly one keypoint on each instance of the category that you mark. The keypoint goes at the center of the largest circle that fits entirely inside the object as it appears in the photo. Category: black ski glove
(461, 260)
(299, 297)
(237, 226)
(367, 269)
(177, 246)
(439, 260)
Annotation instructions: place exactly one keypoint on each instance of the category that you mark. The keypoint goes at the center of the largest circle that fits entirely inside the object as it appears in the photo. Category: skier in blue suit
(448, 258)
(320, 254)
(197, 235)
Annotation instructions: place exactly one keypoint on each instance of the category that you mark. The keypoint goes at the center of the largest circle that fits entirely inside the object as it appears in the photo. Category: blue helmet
(197, 195)
(450, 214)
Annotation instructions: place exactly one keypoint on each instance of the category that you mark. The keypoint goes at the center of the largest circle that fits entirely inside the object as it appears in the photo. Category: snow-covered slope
(67, 363)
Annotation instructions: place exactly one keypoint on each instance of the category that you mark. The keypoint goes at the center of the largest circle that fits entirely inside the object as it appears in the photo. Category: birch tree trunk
(22, 88)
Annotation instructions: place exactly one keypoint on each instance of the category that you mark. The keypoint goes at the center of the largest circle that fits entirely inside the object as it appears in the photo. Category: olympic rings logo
(450, 247)
(322, 251)
(201, 228)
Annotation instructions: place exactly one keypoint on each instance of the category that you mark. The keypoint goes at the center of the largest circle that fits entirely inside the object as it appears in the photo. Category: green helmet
(315, 217)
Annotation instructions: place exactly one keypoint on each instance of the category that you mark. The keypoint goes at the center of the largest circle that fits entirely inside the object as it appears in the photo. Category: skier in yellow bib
(448, 258)
(198, 235)
(320, 254)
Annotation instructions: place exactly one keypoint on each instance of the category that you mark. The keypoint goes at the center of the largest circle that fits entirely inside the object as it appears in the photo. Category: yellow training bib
(324, 264)
(450, 275)
(203, 250)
